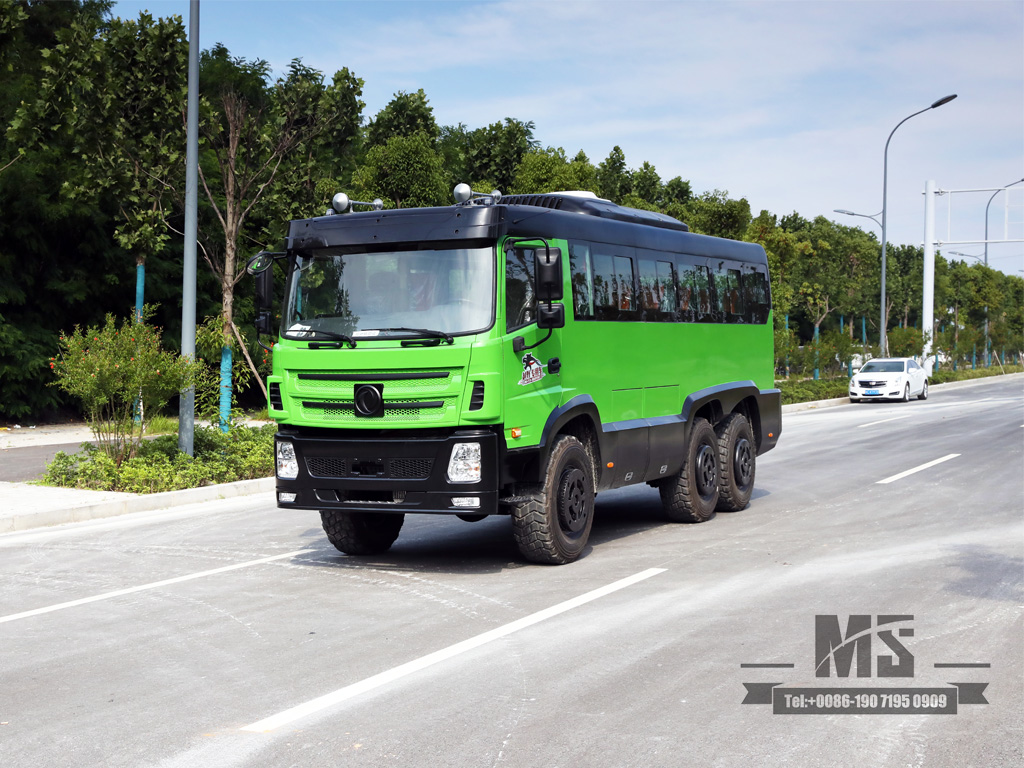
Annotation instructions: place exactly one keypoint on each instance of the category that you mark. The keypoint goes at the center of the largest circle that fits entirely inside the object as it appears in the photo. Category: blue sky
(785, 102)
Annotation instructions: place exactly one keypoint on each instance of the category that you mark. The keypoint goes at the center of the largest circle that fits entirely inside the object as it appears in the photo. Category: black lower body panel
(398, 472)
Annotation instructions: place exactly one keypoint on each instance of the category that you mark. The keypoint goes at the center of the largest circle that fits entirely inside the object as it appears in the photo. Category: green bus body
(663, 329)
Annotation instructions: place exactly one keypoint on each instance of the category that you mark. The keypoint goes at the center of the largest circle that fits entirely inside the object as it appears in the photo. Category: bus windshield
(391, 294)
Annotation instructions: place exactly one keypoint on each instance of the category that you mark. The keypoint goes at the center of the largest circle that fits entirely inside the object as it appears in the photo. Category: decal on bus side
(533, 370)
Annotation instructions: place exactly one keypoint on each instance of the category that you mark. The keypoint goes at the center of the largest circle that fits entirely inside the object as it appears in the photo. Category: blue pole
(225, 391)
(140, 286)
(974, 357)
(787, 346)
(815, 353)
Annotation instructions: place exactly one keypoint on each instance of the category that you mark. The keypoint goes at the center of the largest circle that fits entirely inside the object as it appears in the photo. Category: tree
(118, 95)
(613, 182)
(549, 170)
(647, 184)
(404, 172)
(405, 115)
(495, 152)
(714, 213)
(249, 131)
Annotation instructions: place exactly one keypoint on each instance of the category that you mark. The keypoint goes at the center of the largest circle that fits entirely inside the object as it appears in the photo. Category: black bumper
(398, 472)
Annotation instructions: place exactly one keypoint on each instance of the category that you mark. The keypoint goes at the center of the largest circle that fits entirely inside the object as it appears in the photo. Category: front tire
(551, 522)
(736, 463)
(924, 391)
(361, 533)
(690, 496)
(906, 394)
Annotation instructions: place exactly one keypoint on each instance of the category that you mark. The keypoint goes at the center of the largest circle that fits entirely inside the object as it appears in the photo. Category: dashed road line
(901, 475)
(396, 673)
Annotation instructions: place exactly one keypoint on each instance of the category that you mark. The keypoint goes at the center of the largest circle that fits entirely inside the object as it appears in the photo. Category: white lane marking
(882, 421)
(901, 475)
(152, 585)
(403, 670)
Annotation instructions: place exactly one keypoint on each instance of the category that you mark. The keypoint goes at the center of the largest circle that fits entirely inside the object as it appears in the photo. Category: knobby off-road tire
(690, 496)
(924, 391)
(736, 463)
(551, 524)
(361, 533)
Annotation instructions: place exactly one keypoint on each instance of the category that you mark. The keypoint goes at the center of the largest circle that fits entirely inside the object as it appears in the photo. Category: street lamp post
(885, 186)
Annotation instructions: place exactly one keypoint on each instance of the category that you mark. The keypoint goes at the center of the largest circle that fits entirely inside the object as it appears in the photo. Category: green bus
(514, 356)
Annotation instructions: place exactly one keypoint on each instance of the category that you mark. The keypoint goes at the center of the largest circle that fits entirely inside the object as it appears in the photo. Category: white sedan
(889, 378)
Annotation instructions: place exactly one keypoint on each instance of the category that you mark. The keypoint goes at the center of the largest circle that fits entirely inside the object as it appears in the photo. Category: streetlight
(986, 212)
(862, 215)
(885, 185)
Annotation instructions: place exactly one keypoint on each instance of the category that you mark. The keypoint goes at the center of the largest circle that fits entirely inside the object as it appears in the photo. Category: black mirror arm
(519, 343)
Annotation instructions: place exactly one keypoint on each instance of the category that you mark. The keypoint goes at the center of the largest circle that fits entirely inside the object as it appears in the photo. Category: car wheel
(924, 391)
(906, 394)
(361, 533)
(551, 522)
(691, 495)
(736, 463)
(854, 399)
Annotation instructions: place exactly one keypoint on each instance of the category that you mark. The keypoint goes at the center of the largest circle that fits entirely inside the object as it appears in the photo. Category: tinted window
(582, 281)
(520, 303)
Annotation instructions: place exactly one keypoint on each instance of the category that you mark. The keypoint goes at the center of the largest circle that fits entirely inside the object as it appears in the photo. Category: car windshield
(397, 294)
(883, 366)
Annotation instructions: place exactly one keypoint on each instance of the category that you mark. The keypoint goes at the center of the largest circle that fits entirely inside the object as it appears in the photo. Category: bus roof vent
(576, 202)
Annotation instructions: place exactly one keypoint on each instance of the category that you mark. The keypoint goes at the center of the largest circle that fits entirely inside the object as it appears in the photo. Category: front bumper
(400, 471)
(877, 391)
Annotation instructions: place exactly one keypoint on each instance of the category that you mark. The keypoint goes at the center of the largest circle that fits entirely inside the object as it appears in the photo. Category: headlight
(464, 465)
(287, 464)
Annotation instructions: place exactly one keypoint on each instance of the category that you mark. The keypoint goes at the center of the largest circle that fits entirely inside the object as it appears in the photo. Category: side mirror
(550, 316)
(261, 262)
(547, 266)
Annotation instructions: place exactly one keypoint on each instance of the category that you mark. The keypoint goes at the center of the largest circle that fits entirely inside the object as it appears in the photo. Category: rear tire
(551, 522)
(924, 391)
(361, 533)
(736, 463)
(691, 494)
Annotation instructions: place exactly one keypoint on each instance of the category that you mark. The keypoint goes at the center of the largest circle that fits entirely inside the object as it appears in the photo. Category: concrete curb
(81, 507)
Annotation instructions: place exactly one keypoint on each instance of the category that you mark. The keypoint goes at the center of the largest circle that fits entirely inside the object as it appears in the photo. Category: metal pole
(883, 348)
(928, 298)
(986, 246)
(187, 404)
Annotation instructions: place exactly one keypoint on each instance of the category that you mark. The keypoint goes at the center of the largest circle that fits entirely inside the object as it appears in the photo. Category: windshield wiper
(341, 338)
(428, 335)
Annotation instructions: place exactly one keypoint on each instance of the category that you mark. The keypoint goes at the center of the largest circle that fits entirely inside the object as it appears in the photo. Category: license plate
(872, 392)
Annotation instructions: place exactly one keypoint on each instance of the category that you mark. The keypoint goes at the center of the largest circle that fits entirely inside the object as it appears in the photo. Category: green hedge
(244, 453)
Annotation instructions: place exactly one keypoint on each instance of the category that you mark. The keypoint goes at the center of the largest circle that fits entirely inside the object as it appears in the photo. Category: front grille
(395, 469)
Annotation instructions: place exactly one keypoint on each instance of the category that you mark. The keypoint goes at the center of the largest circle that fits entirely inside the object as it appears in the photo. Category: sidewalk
(24, 506)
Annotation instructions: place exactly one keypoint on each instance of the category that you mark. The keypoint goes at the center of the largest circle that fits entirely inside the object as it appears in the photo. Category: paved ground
(231, 633)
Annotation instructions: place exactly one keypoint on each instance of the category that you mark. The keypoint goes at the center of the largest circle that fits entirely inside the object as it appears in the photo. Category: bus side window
(649, 297)
(582, 281)
(755, 284)
(520, 304)
(626, 297)
(666, 290)
(694, 281)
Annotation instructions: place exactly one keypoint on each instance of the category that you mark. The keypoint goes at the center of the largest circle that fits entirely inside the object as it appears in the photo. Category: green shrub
(245, 453)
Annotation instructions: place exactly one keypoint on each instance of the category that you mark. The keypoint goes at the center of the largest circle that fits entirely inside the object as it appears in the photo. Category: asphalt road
(21, 465)
(233, 634)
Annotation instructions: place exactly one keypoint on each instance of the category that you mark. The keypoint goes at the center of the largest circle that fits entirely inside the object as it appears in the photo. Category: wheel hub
(572, 501)
(706, 471)
(743, 462)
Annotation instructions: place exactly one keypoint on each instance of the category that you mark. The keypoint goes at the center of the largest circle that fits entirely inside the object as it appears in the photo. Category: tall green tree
(118, 93)
(250, 129)
(613, 180)
(550, 170)
(404, 172)
(405, 115)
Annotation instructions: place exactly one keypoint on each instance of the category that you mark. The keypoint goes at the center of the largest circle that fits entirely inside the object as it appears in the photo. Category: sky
(787, 103)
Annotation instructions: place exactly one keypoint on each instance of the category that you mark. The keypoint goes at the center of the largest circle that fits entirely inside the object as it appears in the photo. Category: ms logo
(832, 647)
